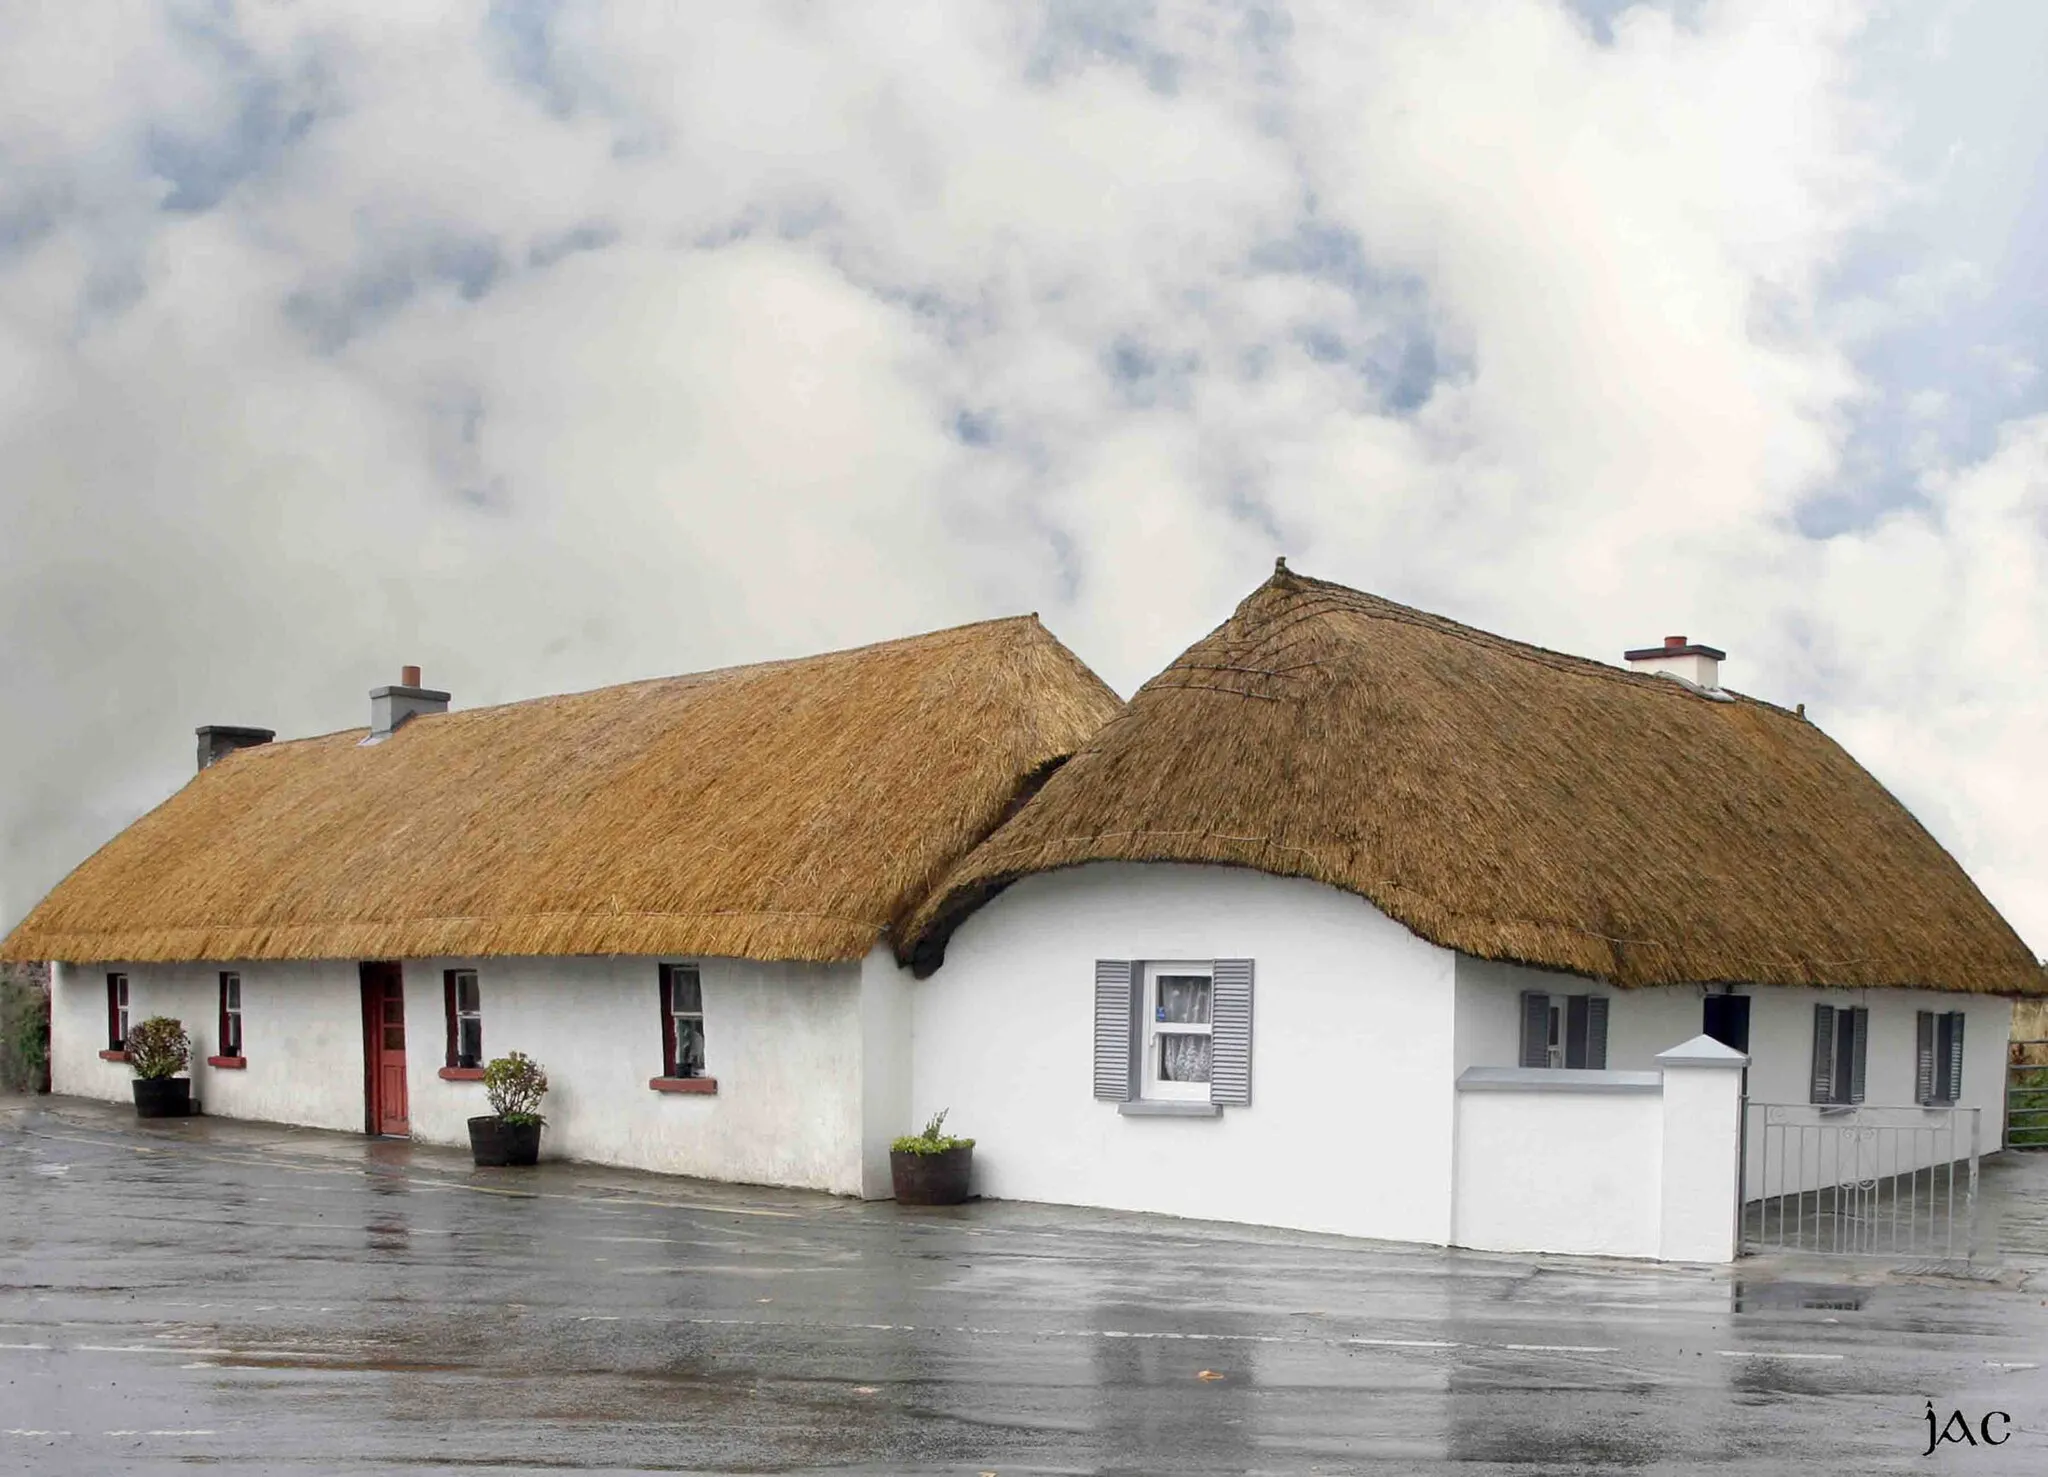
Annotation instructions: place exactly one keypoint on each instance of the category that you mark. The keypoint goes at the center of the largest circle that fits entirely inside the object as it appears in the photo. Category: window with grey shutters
(1938, 1074)
(1564, 1030)
(1174, 1032)
(1841, 1044)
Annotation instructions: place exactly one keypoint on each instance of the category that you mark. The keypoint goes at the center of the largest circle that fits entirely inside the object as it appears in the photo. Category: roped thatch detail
(791, 810)
(1508, 802)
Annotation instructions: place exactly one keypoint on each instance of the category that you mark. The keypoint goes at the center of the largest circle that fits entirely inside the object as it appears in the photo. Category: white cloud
(554, 346)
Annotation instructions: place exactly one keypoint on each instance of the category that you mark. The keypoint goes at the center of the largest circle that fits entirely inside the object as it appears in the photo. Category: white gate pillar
(1702, 1151)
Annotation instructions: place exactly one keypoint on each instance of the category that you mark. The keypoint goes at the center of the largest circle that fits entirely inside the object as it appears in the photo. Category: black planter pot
(494, 1141)
(931, 1179)
(163, 1097)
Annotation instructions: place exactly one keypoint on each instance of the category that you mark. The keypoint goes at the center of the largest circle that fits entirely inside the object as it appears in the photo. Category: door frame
(370, 975)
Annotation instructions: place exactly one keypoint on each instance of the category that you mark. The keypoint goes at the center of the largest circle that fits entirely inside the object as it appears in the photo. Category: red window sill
(462, 1074)
(706, 1085)
(113, 1056)
(228, 1063)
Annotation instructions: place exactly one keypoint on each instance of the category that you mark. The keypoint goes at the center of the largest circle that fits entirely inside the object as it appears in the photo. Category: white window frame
(231, 1010)
(679, 1018)
(117, 986)
(1151, 1028)
(458, 1016)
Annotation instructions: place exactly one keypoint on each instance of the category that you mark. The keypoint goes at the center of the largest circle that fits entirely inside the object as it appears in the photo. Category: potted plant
(510, 1132)
(158, 1050)
(930, 1168)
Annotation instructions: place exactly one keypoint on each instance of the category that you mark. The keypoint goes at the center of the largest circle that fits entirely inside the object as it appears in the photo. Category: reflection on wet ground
(200, 1292)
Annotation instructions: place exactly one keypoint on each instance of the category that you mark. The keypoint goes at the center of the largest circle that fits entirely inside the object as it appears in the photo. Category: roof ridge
(917, 640)
(1378, 607)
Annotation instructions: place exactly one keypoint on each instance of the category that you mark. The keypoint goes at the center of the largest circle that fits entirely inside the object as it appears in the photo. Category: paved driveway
(205, 1292)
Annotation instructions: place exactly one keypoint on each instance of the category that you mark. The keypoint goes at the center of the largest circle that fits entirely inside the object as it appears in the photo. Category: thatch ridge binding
(1509, 802)
(793, 809)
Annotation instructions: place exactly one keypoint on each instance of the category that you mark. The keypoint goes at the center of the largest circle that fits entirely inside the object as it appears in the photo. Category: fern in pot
(158, 1050)
(510, 1132)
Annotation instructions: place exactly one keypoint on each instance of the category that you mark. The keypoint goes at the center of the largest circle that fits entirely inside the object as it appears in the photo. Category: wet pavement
(208, 1293)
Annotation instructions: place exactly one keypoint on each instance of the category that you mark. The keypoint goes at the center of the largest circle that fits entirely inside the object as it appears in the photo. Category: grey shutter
(1535, 1029)
(1955, 1055)
(1859, 1039)
(1230, 1034)
(1923, 1061)
(1823, 1054)
(1116, 1030)
(1596, 1033)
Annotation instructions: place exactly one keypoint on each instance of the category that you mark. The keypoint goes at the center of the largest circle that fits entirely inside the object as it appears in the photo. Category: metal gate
(2026, 1095)
(1860, 1181)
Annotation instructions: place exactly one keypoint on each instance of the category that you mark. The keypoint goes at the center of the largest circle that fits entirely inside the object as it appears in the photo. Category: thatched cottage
(1256, 946)
(680, 895)
(1354, 919)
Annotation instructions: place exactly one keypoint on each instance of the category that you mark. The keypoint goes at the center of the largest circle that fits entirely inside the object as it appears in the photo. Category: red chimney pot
(410, 676)
(1671, 641)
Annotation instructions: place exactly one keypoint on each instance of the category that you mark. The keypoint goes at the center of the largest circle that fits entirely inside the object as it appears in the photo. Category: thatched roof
(1508, 802)
(791, 810)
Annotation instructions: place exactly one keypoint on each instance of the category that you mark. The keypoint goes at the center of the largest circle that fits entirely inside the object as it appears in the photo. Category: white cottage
(678, 895)
(1359, 920)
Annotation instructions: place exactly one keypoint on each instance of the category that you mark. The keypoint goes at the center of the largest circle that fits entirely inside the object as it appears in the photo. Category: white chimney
(392, 706)
(1697, 665)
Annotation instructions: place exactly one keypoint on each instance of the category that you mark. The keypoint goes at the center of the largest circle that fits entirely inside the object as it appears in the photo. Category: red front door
(384, 1049)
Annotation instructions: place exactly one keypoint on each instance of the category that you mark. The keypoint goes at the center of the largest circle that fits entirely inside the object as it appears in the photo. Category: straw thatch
(1508, 802)
(792, 810)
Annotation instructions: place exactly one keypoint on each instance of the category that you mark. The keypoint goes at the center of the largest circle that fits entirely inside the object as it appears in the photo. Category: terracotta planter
(493, 1141)
(931, 1179)
(163, 1097)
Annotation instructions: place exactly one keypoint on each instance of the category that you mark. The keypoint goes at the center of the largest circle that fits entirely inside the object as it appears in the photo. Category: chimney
(1697, 665)
(390, 707)
(218, 740)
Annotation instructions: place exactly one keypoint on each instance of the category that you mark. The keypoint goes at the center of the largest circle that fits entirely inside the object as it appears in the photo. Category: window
(1840, 1039)
(1726, 1019)
(230, 1013)
(464, 999)
(1174, 1036)
(1178, 1031)
(682, 1021)
(1939, 1078)
(117, 1012)
(1564, 1030)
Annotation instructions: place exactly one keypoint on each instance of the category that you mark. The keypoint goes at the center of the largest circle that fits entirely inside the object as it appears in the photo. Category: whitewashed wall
(811, 1060)
(302, 1036)
(1350, 1124)
(1643, 1022)
(783, 1042)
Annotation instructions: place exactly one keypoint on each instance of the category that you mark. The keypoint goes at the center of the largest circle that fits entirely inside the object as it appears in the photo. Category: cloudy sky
(554, 344)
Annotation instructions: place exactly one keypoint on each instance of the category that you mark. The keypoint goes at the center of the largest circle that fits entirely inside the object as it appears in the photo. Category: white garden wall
(1350, 1124)
(1603, 1163)
(1543, 1166)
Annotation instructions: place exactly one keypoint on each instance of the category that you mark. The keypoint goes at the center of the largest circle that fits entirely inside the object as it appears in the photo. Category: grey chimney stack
(391, 707)
(218, 740)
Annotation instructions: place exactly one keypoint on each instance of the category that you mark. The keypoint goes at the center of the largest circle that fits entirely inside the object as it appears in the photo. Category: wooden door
(384, 1049)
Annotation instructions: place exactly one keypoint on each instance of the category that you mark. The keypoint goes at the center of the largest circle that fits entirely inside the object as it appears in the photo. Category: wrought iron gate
(1860, 1181)
(2026, 1095)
